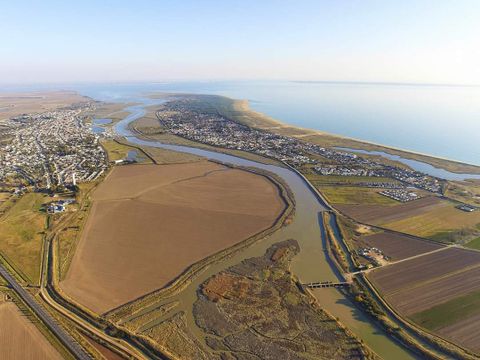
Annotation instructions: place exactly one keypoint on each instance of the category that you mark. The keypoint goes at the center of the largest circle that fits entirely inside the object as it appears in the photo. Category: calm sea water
(439, 120)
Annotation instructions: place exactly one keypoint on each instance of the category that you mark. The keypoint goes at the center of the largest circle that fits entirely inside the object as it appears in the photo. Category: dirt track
(149, 223)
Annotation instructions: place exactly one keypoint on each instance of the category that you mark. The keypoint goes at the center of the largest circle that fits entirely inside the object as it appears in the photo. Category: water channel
(310, 265)
(417, 165)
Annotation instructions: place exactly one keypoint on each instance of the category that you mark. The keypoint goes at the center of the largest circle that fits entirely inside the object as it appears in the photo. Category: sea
(439, 120)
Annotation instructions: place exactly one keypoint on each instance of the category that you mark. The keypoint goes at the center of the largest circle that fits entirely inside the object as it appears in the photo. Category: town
(181, 119)
(51, 150)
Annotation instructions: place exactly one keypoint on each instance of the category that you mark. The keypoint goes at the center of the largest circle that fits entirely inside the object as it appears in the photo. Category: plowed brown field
(418, 284)
(149, 223)
(398, 246)
(465, 332)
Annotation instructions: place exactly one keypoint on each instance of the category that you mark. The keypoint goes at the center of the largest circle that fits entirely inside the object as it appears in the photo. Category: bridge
(326, 284)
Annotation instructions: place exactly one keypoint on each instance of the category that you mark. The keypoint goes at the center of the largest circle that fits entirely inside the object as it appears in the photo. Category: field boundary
(182, 280)
(430, 337)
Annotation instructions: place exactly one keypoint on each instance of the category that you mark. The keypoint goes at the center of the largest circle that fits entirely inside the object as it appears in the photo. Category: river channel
(310, 265)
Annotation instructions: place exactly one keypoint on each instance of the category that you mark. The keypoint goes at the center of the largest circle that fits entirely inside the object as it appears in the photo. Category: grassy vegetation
(163, 156)
(318, 180)
(68, 236)
(448, 313)
(474, 244)
(113, 111)
(21, 235)
(117, 151)
(355, 195)
(464, 191)
(444, 222)
(6, 201)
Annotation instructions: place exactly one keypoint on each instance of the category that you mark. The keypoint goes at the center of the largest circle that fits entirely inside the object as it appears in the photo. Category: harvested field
(380, 214)
(418, 284)
(20, 339)
(148, 223)
(397, 246)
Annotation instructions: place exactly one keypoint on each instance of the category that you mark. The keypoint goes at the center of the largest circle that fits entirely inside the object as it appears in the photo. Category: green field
(448, 313)
(117, 151)
(355, 195)
(474, 244)
(318, 180)
(21, 236)
(443, 222)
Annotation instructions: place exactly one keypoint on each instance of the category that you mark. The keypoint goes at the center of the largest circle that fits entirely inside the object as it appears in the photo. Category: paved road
(61, 334)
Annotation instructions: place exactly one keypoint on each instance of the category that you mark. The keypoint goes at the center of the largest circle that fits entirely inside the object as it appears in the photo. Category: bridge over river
(326, 284)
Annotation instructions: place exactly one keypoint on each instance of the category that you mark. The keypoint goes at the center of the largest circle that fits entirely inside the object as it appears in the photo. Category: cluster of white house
(52, 149)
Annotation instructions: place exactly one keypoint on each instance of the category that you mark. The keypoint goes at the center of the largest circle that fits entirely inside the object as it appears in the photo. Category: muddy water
(311, 264)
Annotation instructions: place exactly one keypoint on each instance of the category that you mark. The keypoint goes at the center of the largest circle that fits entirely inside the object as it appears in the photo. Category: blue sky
(360, 40)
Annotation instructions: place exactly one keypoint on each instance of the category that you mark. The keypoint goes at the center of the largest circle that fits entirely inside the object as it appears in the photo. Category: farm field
(148, 223)
(439, 222)
(429, 217)
(355, 195)
(377, 213)
(20, 339)
(21, 238)
(438, 291)
(474, 244)
(319, 180)
(397, 246)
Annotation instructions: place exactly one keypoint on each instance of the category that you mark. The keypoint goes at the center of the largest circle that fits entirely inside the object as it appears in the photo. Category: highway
(69, 342)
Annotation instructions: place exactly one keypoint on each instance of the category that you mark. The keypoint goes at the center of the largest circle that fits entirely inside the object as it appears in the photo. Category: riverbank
(310, 265)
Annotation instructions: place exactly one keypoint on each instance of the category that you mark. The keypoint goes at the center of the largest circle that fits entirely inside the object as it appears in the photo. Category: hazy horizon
(427, 41)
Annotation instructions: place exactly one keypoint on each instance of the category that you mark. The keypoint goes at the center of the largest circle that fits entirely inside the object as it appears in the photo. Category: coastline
(239, 110)
(439, 162)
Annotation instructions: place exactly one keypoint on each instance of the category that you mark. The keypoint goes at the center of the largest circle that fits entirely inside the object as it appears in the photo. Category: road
(59, 332)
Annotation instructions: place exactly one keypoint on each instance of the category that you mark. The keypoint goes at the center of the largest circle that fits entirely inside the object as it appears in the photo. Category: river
(310, 265)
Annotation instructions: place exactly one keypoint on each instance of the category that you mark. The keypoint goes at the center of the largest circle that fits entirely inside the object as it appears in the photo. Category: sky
(424, 41)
